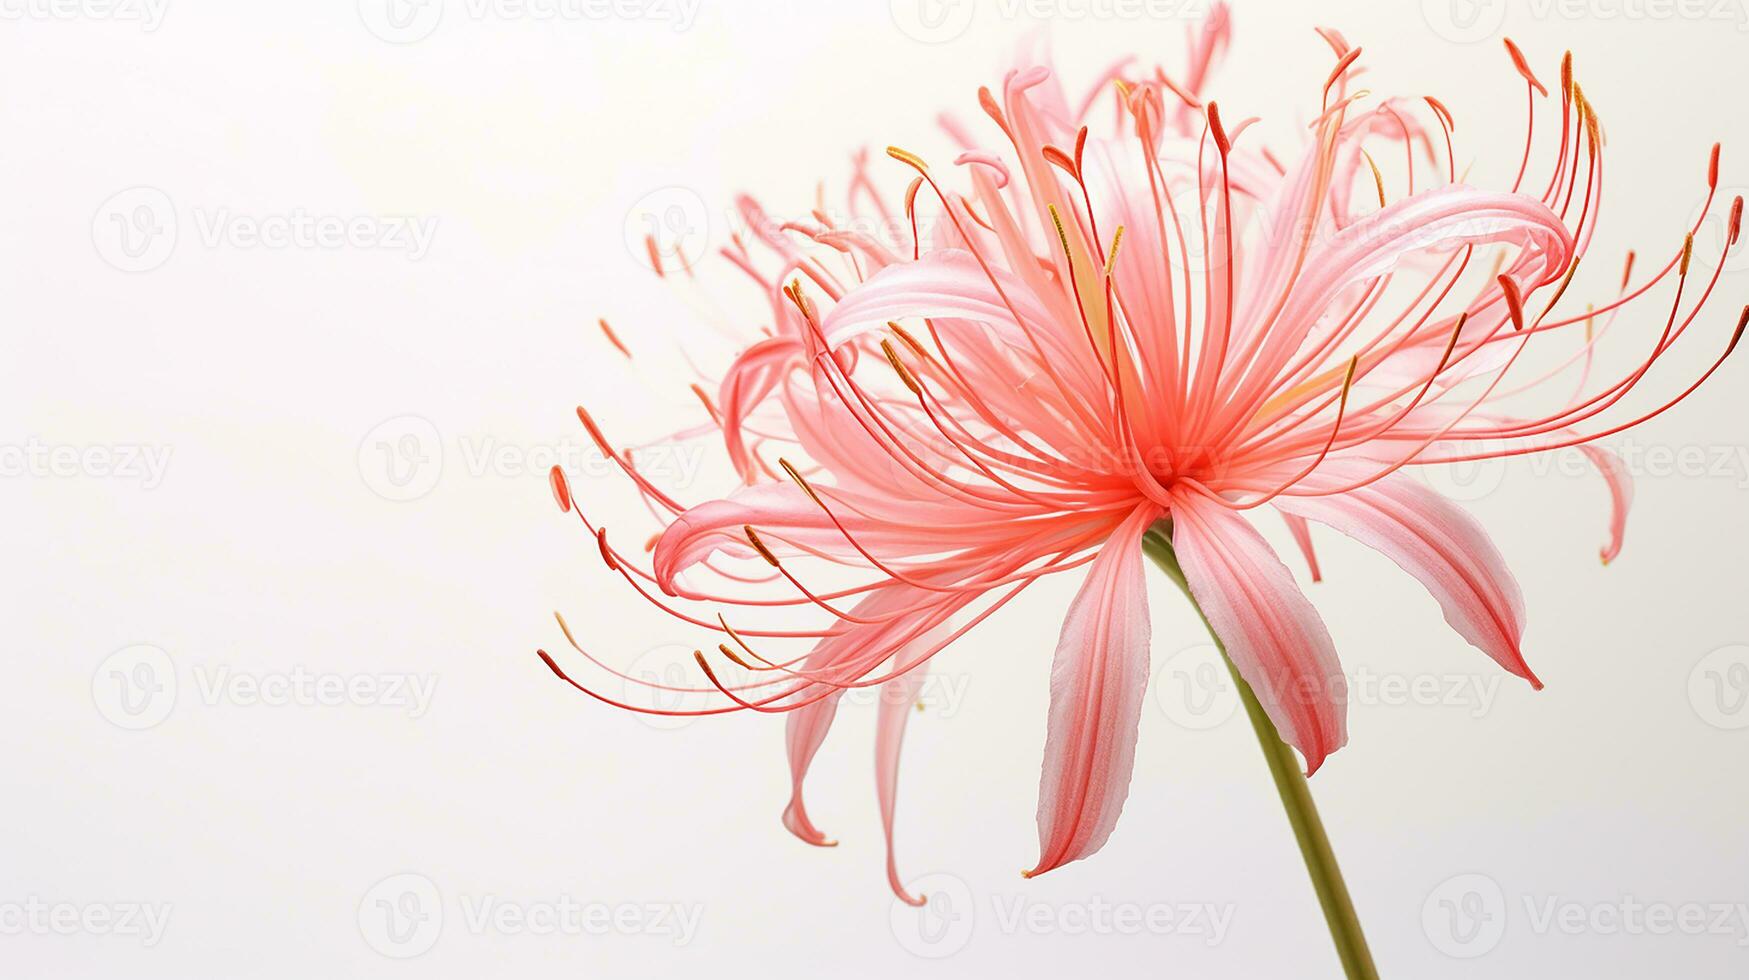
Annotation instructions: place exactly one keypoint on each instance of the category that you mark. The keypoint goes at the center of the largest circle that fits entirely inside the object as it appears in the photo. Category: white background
(300, 390)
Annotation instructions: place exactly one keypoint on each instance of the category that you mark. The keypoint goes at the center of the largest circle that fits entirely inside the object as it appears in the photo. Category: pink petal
(1436, 220)
(952, 284)
(1302, 533)
(1269, 629)
(903, 618)
(807, 726)
(1621, 495)
(804, 731)
(898, 697)
(1097, 683)
(1441, 545)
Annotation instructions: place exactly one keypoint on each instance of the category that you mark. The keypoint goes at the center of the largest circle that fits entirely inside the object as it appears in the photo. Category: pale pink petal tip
(795, 820)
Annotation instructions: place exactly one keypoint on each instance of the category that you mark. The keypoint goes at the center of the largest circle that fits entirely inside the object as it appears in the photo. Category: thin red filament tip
(1523, 66)
(606, 552)
(1514, 301)
(594, 430)
(1218, 131)
(613, 338)
(1444, 114)
(1060, 159)
(1336, 73)
(552, 665)
(709, 406)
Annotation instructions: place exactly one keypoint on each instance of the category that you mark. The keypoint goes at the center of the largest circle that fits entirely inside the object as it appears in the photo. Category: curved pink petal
(745, 384)
(1444, 547)
(1273, 635)
(806, 728)
(1438, 220)
(898, 697)
(1302, 534)
(783, 512)
(951, 283)
(1097, 681)
(804, 731)
(1621, 495)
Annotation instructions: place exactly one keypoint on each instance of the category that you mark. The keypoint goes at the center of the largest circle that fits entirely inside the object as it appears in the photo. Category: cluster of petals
(1120, 315)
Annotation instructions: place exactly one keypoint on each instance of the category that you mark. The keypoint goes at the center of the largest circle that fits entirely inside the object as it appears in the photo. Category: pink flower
(1089, 335)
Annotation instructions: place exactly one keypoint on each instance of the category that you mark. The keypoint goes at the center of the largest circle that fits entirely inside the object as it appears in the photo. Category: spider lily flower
(1166, 327)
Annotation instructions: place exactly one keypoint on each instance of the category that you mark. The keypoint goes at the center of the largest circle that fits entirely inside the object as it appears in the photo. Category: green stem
(1290, 784)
